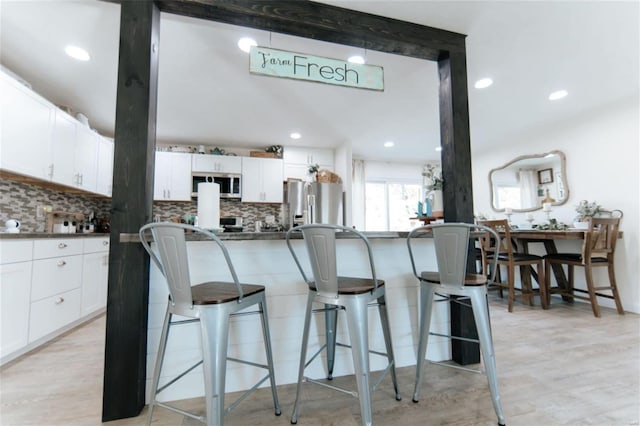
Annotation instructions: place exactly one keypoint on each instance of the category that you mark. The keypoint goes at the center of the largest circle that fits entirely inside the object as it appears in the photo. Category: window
(390, 205)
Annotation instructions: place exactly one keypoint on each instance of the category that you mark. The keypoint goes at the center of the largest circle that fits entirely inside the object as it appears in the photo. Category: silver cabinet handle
(61, 263)
(105, 243)
(62, 245)
(59, 300)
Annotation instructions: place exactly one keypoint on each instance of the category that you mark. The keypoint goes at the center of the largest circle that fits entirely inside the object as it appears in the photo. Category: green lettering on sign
(283, 64)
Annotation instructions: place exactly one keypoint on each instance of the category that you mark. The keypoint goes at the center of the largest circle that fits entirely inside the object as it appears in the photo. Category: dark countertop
(225, 236)
(27, 235)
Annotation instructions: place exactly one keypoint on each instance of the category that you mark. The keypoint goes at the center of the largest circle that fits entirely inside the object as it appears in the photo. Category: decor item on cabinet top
(276, 149)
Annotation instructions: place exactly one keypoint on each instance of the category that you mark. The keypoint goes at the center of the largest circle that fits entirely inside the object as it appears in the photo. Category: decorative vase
(437, 206)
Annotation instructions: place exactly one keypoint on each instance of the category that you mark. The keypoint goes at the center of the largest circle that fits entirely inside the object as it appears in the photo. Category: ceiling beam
(327, 23)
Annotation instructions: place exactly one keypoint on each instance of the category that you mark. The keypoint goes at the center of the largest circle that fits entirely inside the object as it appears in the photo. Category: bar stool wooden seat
(452, 282)
(212, 305)
(354, 296)
(598, 250)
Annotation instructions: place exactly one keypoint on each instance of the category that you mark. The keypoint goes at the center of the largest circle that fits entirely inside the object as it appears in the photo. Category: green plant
(313, 168)
(434, 177)
(586, 210)
(275, 148)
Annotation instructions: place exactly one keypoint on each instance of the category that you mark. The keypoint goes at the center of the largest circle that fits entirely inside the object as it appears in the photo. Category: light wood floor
(557, 367)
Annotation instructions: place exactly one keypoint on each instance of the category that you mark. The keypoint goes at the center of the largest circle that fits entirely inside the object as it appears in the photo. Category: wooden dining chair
(509, 258)
(598, 250)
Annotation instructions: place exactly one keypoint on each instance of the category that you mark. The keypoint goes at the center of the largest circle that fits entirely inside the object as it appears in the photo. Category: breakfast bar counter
(263, 258)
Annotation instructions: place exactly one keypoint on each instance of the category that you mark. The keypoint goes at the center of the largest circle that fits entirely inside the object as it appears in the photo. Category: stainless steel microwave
(230, 183)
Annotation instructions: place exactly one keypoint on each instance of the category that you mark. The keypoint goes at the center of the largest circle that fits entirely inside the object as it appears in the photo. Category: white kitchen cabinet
(172, 181)
(15, 286)
(27, 124)
(52, 313)
(216, 163)
(63, 149)
(262, 180)
(95, 270)
(298, 160)
(105, 166)
(86, 158)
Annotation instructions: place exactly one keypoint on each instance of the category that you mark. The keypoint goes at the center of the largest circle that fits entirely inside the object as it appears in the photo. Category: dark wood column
(132, 203)
(458, 191)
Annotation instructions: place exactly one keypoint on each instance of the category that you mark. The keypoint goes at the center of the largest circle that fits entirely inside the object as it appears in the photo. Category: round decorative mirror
(527, 182)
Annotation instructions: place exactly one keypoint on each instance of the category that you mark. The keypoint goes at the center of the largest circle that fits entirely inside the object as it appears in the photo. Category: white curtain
(528, 188)
(357, 194)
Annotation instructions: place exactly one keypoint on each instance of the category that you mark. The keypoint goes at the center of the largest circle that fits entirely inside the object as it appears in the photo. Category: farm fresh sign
(283, 64)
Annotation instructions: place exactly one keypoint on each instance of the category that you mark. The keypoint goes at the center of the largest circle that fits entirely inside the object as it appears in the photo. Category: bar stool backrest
(600, 239)
(320, 241)
(171, 258)
(451, 242)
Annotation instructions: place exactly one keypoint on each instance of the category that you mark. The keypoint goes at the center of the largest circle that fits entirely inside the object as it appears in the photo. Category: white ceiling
(207, 96)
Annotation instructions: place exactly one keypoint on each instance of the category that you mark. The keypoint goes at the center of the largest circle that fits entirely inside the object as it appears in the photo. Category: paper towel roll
(209, 205)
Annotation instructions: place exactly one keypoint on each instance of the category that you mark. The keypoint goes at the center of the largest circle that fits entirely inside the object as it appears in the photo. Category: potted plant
(433, 182)
(586, 210)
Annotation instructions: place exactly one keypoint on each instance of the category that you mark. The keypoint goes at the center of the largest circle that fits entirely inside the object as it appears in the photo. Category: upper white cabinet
(262, 180)
(105, 166)
(298, 160)
(42, 141)
(86, 159)
(27, 124)
(216, 163)
(172, 180)
(63, 149)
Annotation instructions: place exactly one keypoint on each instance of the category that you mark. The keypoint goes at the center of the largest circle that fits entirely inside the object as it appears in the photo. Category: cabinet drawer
(52, 313)
(45, 248)
(15, 251)
(94, 245)
(55, 275)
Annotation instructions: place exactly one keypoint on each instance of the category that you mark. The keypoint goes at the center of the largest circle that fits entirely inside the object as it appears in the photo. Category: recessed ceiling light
(483, 83)
(438, 148)
(558, 94)
(295, 135)
(245, 44)
(389, 144)
(77, 53)
(356, 59)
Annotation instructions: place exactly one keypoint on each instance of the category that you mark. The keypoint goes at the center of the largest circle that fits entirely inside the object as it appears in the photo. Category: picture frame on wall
(545, 176)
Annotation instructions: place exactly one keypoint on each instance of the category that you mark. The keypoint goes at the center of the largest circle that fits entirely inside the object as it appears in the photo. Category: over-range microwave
(230, 183)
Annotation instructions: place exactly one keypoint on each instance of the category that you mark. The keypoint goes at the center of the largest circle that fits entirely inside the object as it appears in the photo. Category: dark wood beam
(458, 191)
(132, 204)
(324, 22)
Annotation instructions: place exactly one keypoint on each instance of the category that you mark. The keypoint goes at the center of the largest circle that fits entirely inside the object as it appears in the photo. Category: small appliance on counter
(12, 226)
(60, 222)
(295, 203)
(231, 224)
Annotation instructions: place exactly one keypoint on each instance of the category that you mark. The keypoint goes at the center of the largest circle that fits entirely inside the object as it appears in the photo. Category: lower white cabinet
(95, 274)
(48, 286)
(15, 280)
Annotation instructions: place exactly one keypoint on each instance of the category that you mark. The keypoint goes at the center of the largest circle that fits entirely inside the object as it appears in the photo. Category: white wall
(602, 165)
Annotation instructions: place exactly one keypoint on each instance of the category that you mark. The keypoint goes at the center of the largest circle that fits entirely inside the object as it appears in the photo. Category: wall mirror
(525, 183)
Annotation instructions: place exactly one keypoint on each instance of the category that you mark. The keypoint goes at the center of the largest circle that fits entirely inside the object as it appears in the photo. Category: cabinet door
(63, 148)
(230, 164)
(86, 159)
(272, 181)
(27, 123)
(172, 177)
(95, 269)
(105, 167)
(251, 180)
(216, 163)
(15, 285)
(262, 180)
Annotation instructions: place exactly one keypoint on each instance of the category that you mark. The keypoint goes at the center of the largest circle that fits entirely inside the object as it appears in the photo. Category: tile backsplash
(20, 201)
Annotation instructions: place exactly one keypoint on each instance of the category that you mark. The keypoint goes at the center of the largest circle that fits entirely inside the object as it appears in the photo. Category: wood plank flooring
(557, 367)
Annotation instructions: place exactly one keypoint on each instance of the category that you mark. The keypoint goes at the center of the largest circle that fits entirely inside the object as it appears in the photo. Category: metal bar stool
(351, 295)
(212, 304)
(451, 242)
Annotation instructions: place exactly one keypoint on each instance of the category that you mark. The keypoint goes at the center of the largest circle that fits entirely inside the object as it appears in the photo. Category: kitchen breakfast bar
(263, 258)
